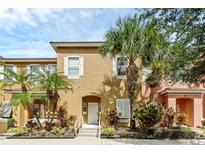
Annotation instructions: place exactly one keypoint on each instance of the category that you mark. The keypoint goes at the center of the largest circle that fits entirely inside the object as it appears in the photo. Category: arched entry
(186, 105)
(91, 109)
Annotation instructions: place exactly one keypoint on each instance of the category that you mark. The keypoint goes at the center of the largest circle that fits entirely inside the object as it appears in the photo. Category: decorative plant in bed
(154, 122)
(62, 127)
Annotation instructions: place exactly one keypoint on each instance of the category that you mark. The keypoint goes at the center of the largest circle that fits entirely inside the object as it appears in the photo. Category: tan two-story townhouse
(99, 85)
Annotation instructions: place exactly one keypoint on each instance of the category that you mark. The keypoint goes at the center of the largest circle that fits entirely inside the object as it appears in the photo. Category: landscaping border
(39, 137)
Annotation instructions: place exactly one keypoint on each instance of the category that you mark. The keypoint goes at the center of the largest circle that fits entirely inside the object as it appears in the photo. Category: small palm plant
(52, 83)
(23, 79)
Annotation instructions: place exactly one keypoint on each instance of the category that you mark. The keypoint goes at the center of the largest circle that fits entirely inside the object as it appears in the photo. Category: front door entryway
(92, 113)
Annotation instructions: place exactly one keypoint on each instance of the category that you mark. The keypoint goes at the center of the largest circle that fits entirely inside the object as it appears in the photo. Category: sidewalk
(96, 141)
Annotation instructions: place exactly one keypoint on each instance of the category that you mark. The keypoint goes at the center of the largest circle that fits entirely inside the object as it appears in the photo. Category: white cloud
(27, 32)
(10, 18)
(85, 14)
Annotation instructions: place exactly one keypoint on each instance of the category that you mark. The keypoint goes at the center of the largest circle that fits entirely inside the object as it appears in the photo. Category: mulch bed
(161, 135)
(40, 137)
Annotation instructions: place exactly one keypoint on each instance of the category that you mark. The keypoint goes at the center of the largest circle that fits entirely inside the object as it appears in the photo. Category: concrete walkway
(95, 141)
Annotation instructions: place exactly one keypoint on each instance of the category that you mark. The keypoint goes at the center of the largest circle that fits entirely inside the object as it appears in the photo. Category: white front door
(92, 113)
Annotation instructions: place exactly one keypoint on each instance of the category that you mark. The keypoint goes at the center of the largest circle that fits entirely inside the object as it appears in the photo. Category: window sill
(73, 77)
(123, 119)
(121, 77)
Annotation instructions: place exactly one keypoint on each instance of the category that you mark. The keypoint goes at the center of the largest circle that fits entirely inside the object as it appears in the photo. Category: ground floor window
(123, 106)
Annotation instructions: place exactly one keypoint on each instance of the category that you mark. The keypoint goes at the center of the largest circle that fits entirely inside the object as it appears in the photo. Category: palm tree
(155, 77)
(156, 58)
(129, 39)
(23, 79)
(53, 83)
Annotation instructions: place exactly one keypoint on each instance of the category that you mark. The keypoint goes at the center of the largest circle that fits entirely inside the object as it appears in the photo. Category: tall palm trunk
(55, 101)
(131, 84)
(152, 94)
(154, 83)
(49, 95)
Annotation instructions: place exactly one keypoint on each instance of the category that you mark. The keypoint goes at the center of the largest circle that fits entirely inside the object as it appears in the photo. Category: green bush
(182, 133)
(109, 131)
(203, 123)
(19, 131)
(168, 118)
(56, 130)
(11, 122)
(149, 114)
(181, 119)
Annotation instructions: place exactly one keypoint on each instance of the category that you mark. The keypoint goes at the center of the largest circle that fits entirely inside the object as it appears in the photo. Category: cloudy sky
(27, 32)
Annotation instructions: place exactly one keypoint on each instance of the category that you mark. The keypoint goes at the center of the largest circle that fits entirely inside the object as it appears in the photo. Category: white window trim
(115, 73)
(74, 76)
(124, 99)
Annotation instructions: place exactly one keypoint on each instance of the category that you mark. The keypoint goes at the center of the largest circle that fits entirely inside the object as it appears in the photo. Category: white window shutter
(41, 68)
(28, 69)
(15, 68)
(66, 66)
(81, 66)
(114, 66)
(126, 108)
(1, 71)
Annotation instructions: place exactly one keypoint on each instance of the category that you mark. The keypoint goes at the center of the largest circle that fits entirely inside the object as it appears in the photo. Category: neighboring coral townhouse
(98, 85)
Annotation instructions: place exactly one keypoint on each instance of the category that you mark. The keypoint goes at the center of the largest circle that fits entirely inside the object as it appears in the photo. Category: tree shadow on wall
(111, 89)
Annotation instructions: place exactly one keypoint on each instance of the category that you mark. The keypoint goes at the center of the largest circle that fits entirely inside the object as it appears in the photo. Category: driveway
(95, 141)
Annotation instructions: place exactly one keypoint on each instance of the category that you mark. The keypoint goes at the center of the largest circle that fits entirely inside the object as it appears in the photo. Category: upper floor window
(73, 66)
(34, 70)
(8, 76)
(52, 68)
(120, 65)
(123, 106)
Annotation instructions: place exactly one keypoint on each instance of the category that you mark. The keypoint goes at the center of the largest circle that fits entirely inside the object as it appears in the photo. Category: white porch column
(172, 102)
(198, 111)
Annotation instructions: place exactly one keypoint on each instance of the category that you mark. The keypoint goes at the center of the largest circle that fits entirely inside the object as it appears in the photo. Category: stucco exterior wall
(20, 114)
(97, 80)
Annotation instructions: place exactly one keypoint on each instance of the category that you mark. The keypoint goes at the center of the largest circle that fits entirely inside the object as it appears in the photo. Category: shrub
(71, 120)
(62, 117)
(113, 117)
(109, 131)
(149, 114)
(203, 123)
(65, 120)
(168, 118)
(56, 130)
(180, 119)
(19, 131)
(11, 122)
(48, 126)
(182, 133)
(30, 124)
